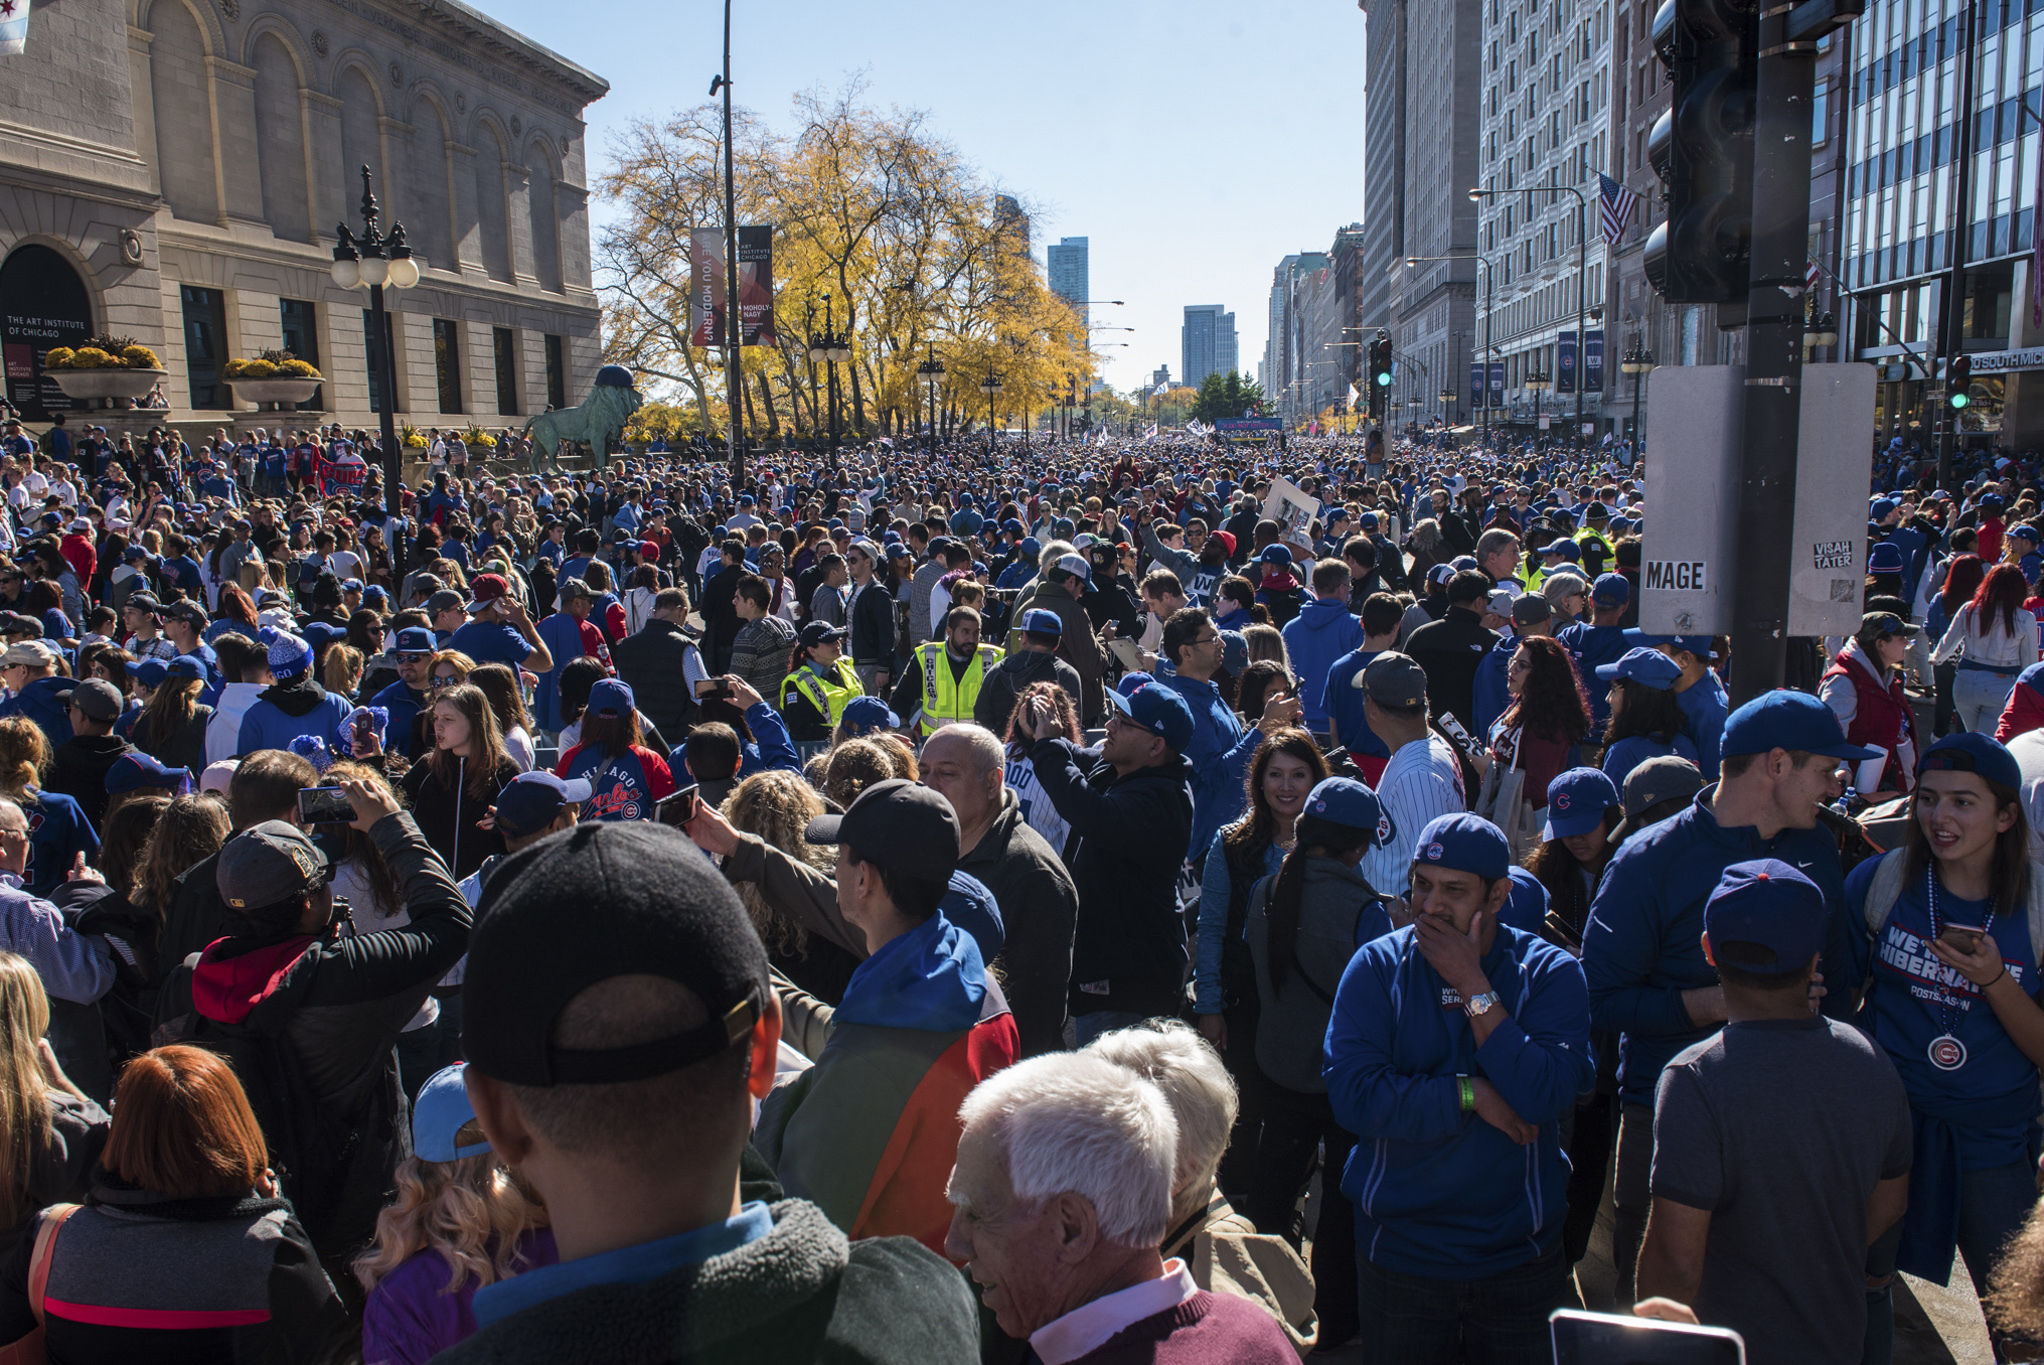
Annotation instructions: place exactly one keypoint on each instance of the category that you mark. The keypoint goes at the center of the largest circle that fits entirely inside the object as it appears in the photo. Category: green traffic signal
(1960, 400)
(1383, 379)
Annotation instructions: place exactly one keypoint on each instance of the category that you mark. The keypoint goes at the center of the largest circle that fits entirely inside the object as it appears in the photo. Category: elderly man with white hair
(1062, 1194)
(1225, 1251)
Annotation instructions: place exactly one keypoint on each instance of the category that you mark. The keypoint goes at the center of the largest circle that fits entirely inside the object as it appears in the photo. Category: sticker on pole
(1673, 575)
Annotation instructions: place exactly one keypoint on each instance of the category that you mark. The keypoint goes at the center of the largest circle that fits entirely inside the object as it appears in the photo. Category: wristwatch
(1476, 1006)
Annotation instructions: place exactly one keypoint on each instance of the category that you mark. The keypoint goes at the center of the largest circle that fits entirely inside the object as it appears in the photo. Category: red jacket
(78, 553)
(2025, 710)
(1881, 717)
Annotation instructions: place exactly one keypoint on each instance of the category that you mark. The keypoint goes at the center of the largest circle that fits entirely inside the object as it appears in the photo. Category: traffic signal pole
(1786, 70)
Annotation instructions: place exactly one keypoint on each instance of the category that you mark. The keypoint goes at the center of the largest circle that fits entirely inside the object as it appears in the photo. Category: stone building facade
(173, 170)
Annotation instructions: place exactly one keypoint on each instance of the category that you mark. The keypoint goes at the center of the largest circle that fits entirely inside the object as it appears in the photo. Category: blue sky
(1195, 143)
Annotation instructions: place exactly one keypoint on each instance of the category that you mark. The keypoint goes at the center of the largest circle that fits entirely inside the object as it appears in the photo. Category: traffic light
(1380, 371)
(1702, 149)
(1959, 381)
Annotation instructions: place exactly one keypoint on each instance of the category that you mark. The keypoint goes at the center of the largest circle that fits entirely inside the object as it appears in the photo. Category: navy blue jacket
(1644, 943)
(1438, 1192)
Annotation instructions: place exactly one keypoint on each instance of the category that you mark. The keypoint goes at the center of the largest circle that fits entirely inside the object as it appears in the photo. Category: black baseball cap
(901, 826)
(603, 900)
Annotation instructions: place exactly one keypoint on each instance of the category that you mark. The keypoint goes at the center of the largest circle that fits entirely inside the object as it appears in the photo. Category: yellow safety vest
(830, 693)
(946, 699)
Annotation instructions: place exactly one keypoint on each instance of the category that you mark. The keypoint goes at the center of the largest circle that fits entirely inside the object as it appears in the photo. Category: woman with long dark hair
(1547, 718)
(627, 778)
(1225, 1003)
(1954, 919)
(1994, 639)
(172, 725)
(1646, 717)
(452, 789)
(1301, 927)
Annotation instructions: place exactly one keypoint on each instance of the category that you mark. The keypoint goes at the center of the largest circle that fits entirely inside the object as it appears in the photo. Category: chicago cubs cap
(1766, 917)
(1345, 801)
(1789, 720)
(1158, 710)
(531, 801)
(1611, 589)
(1970, 752)
(1462, 842)
(1648, 667)
(1037, 621)
(1577, 801)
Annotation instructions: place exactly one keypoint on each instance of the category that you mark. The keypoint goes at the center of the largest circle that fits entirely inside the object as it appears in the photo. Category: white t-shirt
(1422, 781)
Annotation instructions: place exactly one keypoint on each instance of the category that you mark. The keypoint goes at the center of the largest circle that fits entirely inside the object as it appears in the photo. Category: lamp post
(1582, 270)
(1639, 361)
(830, 349)
(1447, 405)
(734, 374)
(370, 261)
(931, 372)
(991, 387)
(1540, 384)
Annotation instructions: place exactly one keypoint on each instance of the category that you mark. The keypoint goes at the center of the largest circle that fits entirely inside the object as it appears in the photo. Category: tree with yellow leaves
(879, 225)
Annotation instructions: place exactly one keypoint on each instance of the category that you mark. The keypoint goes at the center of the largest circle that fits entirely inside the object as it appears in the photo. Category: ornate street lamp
(931, 372)
(831, 349)
(1640, 361)
(1540, 384)
(369, 261)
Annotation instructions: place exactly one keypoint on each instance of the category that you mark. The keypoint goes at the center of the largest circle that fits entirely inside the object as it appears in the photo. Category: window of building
(301, 339)
(505, 343)
(1820, 110)
(373, 357)
(447, 363)
(205, 321)
(556, 372)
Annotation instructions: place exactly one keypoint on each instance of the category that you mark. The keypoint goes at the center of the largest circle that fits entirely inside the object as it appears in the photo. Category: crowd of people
(1059, 903)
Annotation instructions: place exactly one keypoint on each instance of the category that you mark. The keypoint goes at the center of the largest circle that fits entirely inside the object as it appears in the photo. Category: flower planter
(107, 385)
(272, 395)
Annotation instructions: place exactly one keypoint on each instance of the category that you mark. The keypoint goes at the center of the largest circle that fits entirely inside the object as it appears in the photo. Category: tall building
(1903, 75)
(1547, 122)
(1270, 374)
(1421, 156)
(1207, 343)
(183, 189)
(1008, 216)
(1070, 276)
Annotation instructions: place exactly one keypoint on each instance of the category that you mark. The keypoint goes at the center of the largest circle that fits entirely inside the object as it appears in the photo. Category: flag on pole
(1151, 434)
(13, 26)
(1352, 396)
(1616, 204)
(1160, 391)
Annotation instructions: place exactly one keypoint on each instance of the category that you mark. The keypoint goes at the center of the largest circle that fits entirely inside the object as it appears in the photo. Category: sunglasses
(437, 681)
(413, 658)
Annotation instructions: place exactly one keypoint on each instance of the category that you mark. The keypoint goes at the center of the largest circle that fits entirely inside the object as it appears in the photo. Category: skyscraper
(1009, 217)
(1070, 276)
(1207, 342)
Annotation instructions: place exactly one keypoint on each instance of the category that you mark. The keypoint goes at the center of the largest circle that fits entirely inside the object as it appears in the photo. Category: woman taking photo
(1037, 809)
(1994, 640)
(451, 792)
(821, 682)
(1863, 688)
(187, 1251)
(1945, 914)
(1302, 925)
(50, 1133)
(1280, 777)
(1547, 718)
(1646, 719)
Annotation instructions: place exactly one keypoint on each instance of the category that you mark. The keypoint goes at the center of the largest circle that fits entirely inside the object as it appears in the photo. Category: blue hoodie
(1321, 633)
(38, 701)
(1643, 945)
(1705, 708)
(1440, 1193)
(930, 978)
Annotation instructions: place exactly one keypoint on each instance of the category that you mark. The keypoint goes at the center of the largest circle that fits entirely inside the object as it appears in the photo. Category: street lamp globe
(347, 270)
(404, 272)
(375, 270)
(1538, 382)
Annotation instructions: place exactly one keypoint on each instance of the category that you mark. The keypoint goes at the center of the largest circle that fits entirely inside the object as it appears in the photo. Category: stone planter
(107, 385)
(272, 395)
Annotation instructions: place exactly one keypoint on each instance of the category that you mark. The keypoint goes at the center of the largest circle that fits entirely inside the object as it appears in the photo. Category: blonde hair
(778, 806)
(343, 669)
(24, 1089)
(469, 1210)
(24, 757)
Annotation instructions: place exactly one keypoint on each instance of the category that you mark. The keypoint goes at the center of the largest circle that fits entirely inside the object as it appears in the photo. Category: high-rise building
(1008, 216)
(1070, 275)
(1207, 343)
(1547, 122)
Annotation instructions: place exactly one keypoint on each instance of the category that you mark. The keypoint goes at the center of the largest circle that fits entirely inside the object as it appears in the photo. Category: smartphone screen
(324, 806)
(680, 808)
(1610, 1339)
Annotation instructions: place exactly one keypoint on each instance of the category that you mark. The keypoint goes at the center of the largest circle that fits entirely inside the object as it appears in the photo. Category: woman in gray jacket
(1304, 924)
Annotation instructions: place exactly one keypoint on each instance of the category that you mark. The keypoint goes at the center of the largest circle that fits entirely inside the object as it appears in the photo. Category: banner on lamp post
(756, 287)
(1475, 385)
(706, 287)
(1565, 363)
(1593, 361)
(1497, 384)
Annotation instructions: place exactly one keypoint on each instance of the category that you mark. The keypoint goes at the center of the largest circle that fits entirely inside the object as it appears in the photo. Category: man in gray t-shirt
(1781, 1145)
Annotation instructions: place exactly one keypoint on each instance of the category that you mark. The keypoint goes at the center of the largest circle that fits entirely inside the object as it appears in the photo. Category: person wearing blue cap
(1131, 812)
(1783, 1143)
(1699, 692)
(1952, 922)
(1300, 926)
(458, 1204)
(1649, 980)
(1599, 641)
(1031, 658)
(1455, 1048)
(1646, 719)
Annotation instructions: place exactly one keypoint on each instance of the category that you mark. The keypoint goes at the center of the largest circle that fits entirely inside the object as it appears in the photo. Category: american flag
(1617, 203)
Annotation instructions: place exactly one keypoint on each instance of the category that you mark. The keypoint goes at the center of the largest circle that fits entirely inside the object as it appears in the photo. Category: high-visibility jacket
(830, 693)
(948, 699)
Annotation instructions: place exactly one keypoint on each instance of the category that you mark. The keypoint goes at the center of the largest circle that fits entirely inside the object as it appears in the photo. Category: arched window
(43, 304)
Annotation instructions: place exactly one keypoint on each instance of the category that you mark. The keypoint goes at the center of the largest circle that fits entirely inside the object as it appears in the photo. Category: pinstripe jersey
(1422, 780)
